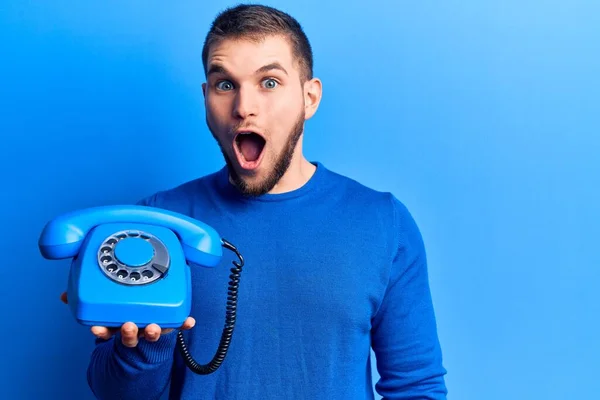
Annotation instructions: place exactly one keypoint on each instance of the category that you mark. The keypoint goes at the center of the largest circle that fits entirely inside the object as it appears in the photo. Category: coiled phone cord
(230, 316)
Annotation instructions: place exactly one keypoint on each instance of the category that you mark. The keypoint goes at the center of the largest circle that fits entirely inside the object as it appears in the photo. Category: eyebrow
(272, 66)
(219, 69)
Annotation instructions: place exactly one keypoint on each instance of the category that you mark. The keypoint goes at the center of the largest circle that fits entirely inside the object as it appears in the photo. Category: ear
(204, 89)
(312, 96)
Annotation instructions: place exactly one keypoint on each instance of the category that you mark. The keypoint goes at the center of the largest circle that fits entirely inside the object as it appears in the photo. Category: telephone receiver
(132, 263)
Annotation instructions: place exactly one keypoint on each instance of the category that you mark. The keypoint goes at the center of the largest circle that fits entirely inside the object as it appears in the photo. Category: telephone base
(98, 297)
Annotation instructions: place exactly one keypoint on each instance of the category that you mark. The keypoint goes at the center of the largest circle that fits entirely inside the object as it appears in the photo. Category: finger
(188, 323)
(102, 332)
(129, 334)
(63, 297)
(152, 332)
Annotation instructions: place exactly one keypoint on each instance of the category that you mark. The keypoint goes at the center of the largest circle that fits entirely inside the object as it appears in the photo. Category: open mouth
(249, 148)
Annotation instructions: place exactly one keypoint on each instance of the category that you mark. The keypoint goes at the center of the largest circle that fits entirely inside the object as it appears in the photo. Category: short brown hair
(255, 22)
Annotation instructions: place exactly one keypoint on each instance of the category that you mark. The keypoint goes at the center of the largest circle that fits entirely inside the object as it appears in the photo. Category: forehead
(241, 55)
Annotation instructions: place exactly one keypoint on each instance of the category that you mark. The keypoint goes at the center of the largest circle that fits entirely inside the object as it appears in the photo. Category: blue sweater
(331, 270)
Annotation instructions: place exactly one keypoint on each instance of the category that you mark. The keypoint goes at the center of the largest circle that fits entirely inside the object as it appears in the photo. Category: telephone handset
(131, 263)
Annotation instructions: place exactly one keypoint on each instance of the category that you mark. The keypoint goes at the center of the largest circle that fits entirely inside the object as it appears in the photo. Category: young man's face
(256, 105)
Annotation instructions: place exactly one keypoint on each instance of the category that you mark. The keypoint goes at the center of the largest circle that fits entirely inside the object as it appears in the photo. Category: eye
(224, 85)
(270, 83)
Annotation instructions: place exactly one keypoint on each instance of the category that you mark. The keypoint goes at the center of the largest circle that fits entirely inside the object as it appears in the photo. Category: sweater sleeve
(142, 372)
(117, 372)
(404, 332)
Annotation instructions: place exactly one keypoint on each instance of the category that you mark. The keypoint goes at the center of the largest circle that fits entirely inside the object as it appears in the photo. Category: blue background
(482, 117)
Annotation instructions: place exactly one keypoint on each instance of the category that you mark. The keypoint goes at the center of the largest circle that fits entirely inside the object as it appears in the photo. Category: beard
(282, 162)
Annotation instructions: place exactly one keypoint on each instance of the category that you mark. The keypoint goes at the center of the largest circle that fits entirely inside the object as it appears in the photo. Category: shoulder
(394, 223)
(183, 195)
(383, 209)
(360, 194)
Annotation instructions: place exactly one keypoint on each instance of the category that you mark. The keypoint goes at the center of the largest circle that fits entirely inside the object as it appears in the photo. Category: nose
(246, 103)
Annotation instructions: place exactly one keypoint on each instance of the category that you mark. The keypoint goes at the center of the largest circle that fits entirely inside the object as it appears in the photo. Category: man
(332, 268)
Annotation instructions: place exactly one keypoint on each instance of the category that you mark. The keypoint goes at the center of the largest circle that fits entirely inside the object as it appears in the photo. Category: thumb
(63, 298)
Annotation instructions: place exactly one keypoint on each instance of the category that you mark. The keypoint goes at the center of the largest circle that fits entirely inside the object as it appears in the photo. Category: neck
(299, 172)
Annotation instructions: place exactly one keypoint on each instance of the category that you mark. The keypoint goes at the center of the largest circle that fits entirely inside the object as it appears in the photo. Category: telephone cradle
(132, 263)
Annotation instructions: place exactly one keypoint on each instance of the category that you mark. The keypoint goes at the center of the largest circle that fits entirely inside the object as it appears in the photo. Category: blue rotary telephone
(131, 263)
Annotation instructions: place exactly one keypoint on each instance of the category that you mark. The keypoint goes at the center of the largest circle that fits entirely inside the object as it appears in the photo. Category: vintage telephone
(132, 263)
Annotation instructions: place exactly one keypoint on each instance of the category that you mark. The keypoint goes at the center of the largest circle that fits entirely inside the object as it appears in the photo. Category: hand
(130, 334)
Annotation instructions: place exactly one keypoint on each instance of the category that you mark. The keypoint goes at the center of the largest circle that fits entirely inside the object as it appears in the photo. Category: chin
(256, 182)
